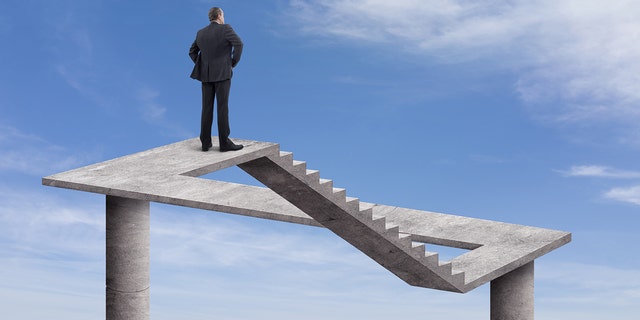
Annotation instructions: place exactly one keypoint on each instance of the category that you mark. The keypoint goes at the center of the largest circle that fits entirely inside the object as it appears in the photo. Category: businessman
(215, 52)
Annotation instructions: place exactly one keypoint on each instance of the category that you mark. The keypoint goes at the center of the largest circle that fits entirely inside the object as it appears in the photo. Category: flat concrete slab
(169, 174)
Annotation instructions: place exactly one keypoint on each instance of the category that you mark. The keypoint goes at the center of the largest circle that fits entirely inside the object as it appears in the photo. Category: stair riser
(373, 238)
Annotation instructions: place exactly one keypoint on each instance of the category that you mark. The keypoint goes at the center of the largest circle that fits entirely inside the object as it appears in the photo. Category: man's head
(216, 14)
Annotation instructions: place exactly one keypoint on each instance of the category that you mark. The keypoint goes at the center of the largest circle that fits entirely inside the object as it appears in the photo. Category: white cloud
(630, 194)
(581, 53)
(52, 251)
(31, 154)
(622, 194)
(590, 284)
(600, 172)
(218, 240)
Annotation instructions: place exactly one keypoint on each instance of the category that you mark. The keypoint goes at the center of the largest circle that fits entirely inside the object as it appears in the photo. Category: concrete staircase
(392, 236)
(354, 222)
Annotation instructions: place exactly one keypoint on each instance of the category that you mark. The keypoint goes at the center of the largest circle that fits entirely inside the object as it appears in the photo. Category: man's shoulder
(215, 27)
(228, 29)
(209, 27)
(204, 29)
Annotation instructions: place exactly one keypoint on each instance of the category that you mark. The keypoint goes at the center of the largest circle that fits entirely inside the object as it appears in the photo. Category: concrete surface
(127, 259)
(371, 235)
(168, 174)
(512, 295)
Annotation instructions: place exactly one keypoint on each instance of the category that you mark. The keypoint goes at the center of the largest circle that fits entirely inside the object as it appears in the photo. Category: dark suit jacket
(216, 50)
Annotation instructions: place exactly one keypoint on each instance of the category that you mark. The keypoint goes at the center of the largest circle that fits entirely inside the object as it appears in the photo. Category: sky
(524, 112)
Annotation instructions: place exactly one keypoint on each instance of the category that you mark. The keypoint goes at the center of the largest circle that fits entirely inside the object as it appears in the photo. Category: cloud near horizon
(575, 60)
(621, 194)
(600, 172)
(216, 249)
(599, 284)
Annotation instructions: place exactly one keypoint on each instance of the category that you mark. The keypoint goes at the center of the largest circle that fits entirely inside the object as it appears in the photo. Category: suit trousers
(220, 91)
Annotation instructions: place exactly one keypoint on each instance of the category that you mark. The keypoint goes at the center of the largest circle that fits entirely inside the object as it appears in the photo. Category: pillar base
(127, 259)
(512, 295)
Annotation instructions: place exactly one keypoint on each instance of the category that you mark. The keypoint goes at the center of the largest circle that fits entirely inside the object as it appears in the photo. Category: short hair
(214, 13)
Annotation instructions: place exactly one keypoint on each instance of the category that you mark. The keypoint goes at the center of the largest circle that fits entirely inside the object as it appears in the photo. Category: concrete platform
(169, 174)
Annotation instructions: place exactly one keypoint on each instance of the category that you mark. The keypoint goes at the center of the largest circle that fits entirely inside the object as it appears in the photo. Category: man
(216, 50)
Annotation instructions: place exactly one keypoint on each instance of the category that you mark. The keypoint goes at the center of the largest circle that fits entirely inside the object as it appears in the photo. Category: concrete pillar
(512, 295)
(127, 282)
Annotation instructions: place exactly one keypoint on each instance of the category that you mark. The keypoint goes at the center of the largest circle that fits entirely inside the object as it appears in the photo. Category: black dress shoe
(207, 147)
(230, 146)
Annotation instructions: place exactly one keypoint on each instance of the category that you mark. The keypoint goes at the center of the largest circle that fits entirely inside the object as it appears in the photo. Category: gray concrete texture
(512, 295)
(391, 236)
(127, 259)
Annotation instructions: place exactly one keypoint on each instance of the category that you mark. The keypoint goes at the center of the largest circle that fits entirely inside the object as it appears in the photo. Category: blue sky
(519, 111)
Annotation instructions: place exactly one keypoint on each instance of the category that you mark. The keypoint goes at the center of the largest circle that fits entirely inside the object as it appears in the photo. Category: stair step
(287, 157)
(446, 267)
(339, 194)
(405, 240)
(418, 249)
(353, 204)
(367, 214)
(379, 224)
(364, 212)
(326, 185)
(392, 230)
(283, 159)
(431, 258)
(312, 176)
(458, 277)
(299, 167)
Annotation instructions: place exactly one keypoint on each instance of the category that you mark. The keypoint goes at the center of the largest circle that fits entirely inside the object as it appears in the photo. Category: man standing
(216, 50)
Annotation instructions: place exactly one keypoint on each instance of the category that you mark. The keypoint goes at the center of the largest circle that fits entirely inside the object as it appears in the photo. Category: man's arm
(237, 44)
(194, 51)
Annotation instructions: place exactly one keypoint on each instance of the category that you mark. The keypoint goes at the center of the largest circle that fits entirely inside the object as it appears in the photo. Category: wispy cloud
(600, 172)
(56, 248)
(31, 154)
(51, 252)
(590, 284)
(622, 194)
(38, 234)
(576, 60)
(214, 240)
(629, 194)
(154, 112)
(71, 43)
(92, 73)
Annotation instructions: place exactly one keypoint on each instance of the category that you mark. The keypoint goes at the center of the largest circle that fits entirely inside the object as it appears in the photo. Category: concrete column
(127, 259)
(512, 295)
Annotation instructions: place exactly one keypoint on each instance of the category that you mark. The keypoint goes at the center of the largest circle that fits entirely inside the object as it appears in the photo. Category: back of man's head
(214, 13)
